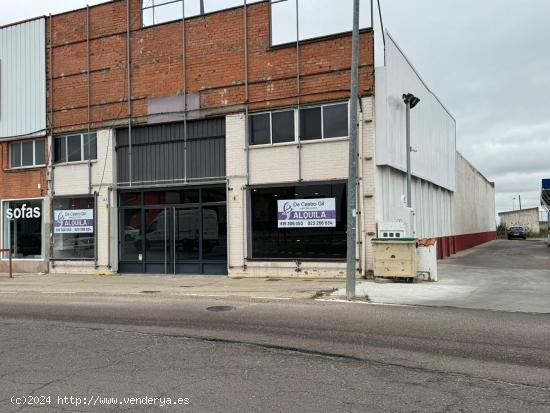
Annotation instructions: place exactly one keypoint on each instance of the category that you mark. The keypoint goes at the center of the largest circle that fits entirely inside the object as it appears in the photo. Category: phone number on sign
(294, 224)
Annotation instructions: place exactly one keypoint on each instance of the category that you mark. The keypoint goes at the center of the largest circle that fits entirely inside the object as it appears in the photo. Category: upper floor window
(75, 148)
(318, 122)
(161, 11)
(27, 154)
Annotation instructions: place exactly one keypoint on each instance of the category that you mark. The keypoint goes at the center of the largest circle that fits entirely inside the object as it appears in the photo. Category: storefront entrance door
(175, 239)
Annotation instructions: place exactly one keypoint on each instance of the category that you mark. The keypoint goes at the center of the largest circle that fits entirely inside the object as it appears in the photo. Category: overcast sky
(488, 61)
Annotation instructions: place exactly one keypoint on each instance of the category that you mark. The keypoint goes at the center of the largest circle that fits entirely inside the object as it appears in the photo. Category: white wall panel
(474, 200)
(23, 79)
(431, 203)
(433, 129)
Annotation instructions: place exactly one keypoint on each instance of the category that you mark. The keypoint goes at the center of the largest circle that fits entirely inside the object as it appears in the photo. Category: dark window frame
(20, 145)
(5, 242)
(52, 217)
(250, 229)
(84, 138)
(298, 124)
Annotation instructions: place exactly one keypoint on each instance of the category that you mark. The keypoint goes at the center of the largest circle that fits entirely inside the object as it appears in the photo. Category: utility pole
(519, 198)
(352, 175)
(513, 203)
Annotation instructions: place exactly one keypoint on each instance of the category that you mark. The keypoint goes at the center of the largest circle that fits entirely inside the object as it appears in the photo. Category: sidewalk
(173, 286)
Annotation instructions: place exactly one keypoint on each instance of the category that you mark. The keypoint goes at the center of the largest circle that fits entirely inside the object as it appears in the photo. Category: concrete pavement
(500, 275)
(182, 286)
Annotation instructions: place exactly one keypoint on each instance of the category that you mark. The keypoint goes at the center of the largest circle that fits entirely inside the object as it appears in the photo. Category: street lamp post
(410, 102)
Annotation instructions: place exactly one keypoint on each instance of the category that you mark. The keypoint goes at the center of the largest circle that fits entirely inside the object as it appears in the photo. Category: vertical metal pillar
(352, 176)
(184, 79)
(298, 88)
(245, 202)
(408, 145)
(128, 68)
(89, 96)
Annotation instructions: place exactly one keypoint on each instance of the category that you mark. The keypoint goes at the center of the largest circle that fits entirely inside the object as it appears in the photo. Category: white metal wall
(23, 79)
(474, 200)
(432, 204)
(433, 129)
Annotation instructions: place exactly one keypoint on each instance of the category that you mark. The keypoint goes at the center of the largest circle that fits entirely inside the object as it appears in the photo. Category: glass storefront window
(73, 228)
(22, 228)
(131, 236)
(316, 228)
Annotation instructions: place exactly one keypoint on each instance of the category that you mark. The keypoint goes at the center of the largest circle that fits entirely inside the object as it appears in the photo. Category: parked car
(517, 232)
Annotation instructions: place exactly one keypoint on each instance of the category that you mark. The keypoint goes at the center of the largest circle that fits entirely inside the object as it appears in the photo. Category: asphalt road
(260, 356)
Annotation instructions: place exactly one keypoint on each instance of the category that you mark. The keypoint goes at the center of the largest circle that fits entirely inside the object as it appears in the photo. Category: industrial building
(214, 145)
(527, 218)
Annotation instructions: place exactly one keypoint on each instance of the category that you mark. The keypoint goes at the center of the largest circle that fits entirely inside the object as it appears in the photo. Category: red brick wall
(20, 184)
(215, 64)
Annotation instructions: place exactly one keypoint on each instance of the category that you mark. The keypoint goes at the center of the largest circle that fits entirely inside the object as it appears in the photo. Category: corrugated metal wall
(433, 205)
(23, 79)
(433, 129)
(474, 200)
(158, 152)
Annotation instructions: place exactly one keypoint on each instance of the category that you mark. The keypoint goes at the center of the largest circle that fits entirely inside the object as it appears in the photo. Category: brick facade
(20, 183)
(215, 67)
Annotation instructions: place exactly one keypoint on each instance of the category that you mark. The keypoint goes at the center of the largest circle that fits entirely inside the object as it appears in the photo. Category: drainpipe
(109, 191)
(89, 96)
(95, 230)
(246, 135)
(128, 69)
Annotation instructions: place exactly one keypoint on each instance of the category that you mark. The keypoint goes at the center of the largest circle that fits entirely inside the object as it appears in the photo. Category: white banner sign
(306, 213)
(73, 221)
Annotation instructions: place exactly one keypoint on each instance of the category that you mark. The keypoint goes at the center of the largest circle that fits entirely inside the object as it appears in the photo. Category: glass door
(157, 240)
(186, 248)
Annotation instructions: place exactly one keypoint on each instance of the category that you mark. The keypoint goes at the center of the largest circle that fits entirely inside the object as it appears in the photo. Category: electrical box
(389, 230)
(394, 258)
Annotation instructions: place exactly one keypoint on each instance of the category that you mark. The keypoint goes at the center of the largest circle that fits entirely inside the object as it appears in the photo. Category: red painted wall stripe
(447, 246)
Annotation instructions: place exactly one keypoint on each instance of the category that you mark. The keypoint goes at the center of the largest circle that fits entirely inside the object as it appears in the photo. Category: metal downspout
(129, 75)
(51, 163)
(246, 136)
(95, 230)
(89, 96)
(184, 78)
(109, 192)
(298, 89)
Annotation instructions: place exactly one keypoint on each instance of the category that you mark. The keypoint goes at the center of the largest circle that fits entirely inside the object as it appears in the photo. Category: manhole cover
(273, 279)
(218, 308)
(186, 286)
(149, 292)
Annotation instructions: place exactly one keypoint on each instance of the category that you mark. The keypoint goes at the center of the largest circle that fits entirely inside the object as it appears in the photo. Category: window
(161, 11)
(272, 127)
(310, 124)
(316, 231)
(335, 121)
(337, 18)
(282, 126)
(23, 228)
(320, 122)
(73, 228)
(27, 154)
(75, 148)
